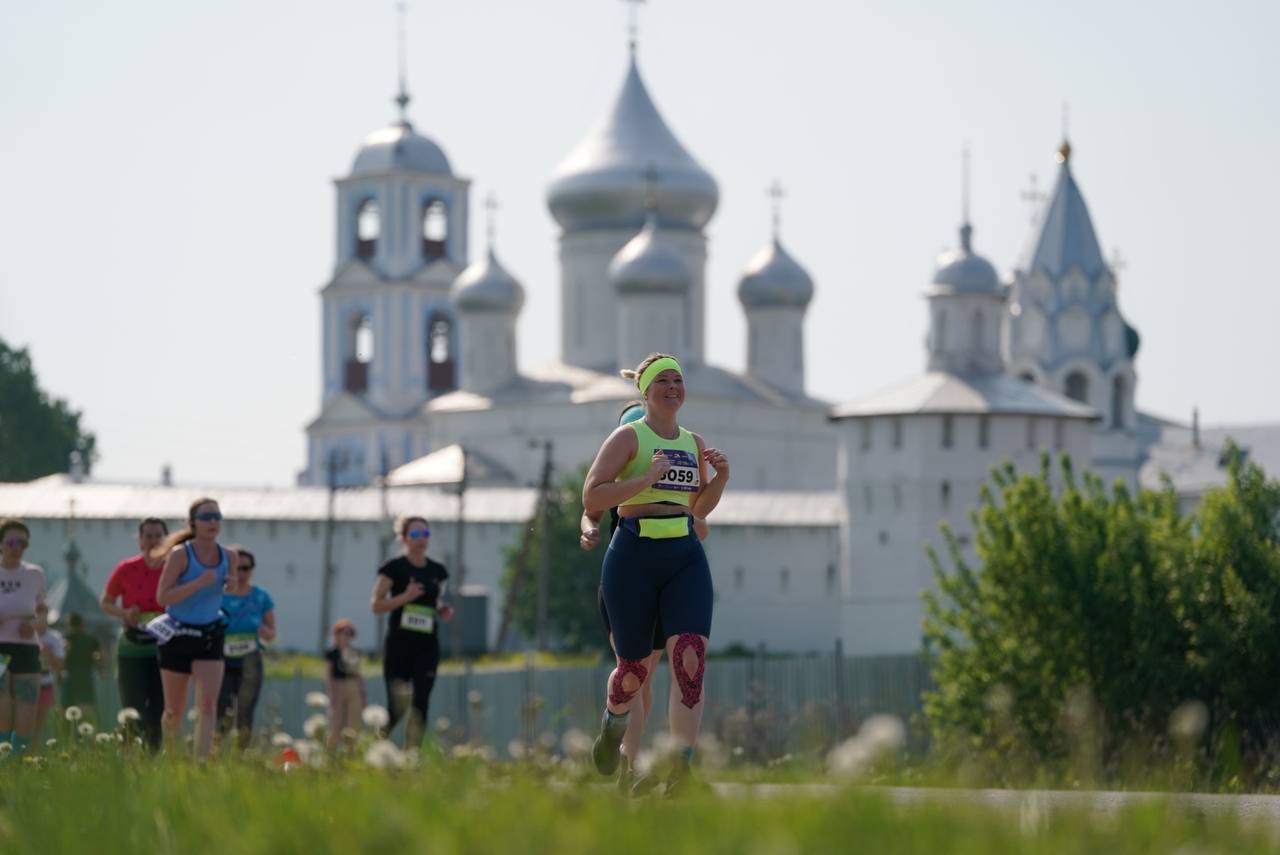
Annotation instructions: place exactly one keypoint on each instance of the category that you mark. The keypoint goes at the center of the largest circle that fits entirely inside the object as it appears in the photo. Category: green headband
(655, 368)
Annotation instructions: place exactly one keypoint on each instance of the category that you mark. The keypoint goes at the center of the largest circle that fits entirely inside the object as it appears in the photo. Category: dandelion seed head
(73, 713)
(375, 716)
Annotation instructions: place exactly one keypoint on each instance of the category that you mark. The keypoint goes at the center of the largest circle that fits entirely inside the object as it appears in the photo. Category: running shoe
(606, 751)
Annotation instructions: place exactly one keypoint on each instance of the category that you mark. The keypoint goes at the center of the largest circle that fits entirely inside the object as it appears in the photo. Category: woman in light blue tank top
(191, 632)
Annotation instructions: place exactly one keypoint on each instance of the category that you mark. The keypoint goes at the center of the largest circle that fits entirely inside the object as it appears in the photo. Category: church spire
(402, 96)
(633, 26)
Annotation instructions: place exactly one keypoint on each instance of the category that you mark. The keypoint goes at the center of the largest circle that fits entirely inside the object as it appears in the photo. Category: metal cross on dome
(776, 194)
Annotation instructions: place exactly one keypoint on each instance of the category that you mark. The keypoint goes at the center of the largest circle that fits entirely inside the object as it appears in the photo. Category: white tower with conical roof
(651, 282)
(1064, 327)
(775, 292)
(488, 300)
(598, 194)
(389, 334)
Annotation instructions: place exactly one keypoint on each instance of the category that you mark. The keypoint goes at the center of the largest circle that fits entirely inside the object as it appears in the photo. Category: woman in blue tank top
(191, 632)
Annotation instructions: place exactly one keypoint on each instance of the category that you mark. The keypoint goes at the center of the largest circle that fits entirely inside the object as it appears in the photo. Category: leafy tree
(37, 435)
(1095, 610)
(574, 575)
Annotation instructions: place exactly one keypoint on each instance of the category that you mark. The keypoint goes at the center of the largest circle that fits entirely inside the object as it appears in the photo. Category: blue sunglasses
(418, 533)
(209, 516)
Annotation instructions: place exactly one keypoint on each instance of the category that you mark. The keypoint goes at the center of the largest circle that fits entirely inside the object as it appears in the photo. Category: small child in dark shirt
(343, 682)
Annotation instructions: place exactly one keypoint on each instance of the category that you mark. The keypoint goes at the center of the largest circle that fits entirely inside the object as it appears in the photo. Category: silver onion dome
(603, 183)
(399, 148)
(774, 278)
(486, 286)
(963, 270)
(649, 264)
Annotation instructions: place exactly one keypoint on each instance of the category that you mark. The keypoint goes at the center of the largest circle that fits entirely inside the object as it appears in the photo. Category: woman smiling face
(665, 393)
(415, 534)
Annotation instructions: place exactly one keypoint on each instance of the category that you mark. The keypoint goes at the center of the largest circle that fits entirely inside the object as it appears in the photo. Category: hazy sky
(167, 215)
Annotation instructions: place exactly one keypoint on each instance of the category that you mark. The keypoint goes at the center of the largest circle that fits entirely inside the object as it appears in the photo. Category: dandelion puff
(73, 714)
(474, 698)
(883, 733)
(384, 754)
(517, 749)
(375, 716)
(127, 715)
(646, 762)
(314, 725)
(49, 743)
(575, 742)
(193, 714)
(281, 740)
(1187, 723)
(104, 738)
(443, 724)
(5, 748)
(137, 740)
(318, 700)
(85, 729)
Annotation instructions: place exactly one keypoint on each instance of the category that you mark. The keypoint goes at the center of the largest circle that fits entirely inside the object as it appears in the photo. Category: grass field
(100, 798)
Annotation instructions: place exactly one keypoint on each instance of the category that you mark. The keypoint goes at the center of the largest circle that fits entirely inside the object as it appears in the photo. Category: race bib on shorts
(162, 629)
(240, 644)
(418, 618)
(4, 664)
(683, 476)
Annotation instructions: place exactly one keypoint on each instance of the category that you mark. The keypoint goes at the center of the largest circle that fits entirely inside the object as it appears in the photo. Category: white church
(821, 537)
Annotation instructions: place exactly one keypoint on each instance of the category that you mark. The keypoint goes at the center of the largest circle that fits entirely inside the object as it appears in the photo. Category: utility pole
(544, 544)
(455, 635)
(337, 459)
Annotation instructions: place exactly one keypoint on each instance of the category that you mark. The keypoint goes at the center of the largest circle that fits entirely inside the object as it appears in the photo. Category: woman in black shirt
(410, 587)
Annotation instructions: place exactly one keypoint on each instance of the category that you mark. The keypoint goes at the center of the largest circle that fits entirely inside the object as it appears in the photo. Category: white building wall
(775, 346)
(895, 503)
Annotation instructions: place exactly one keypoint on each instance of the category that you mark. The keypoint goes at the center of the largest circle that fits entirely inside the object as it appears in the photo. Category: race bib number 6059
(683, 475)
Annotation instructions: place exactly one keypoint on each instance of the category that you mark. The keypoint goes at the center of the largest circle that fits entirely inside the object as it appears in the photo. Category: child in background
(343, 682)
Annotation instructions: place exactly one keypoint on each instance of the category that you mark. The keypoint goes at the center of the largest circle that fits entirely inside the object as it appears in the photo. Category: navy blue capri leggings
(645, 580)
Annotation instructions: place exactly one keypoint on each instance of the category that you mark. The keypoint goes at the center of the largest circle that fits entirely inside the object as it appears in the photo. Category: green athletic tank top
(682, 480)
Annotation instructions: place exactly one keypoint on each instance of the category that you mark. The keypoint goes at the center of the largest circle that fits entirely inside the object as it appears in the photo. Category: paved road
(1033, 804)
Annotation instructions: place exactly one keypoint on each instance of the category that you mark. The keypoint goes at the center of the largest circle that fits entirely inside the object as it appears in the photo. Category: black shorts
(191, 644)
(659, 637)
(23, 658)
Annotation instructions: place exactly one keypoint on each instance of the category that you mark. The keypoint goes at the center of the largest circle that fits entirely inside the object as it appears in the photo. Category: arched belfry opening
(435, 229)
(1077, 387)
(368, 229)
(360, 345)
(441, 364)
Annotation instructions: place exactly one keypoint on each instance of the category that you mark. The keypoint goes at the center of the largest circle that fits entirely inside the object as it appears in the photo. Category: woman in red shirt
(130, 595)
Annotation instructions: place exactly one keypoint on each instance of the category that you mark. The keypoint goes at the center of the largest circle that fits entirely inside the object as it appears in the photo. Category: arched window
(976, 332)
(940, 332)
(359, 354)
(435, 229)
(1077, 387)
(1117, 402)
(1027, 377)
(440, 361)
(948, 431)
(984, 431)
(368, 229)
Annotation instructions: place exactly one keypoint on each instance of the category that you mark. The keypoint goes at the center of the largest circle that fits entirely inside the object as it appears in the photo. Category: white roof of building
(940, 392)
(963, 270)
(52, 497)
(650, 263)
(486, 286)
(1194, 469)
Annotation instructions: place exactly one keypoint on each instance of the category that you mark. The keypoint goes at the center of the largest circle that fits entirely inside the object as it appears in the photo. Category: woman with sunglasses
(130, 595)
(22, 593)
(656, 472)
(409, 588)
(343, 682)
(191, 632)
(251, 620)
